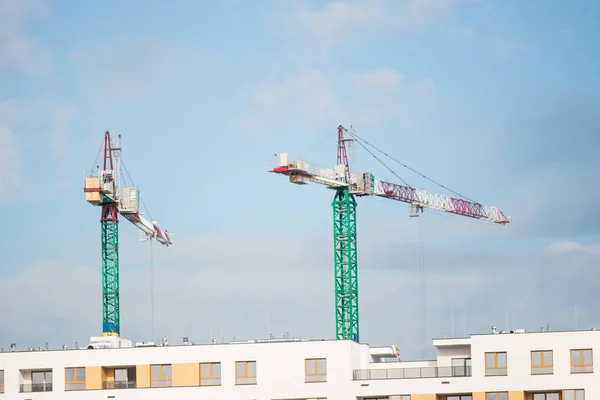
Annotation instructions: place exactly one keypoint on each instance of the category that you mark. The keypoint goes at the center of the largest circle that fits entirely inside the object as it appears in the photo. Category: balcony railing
(120, 385)
(35, 387)
(411, 373)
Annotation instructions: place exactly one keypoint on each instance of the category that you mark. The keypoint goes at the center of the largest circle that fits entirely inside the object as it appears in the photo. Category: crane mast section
(365, 184)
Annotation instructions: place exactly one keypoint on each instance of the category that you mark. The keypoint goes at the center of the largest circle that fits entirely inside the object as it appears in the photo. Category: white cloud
(19, 50)
(136, 69)
(565, 247)
(380, 79)
(313, 97)
(342, 21)
(10, 165)
(236, 283)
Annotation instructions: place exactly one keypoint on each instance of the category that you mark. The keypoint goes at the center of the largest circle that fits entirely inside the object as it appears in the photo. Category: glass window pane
(156, 372)
(502, 359)
(167, 371)
(503, 396)
(216, 370)
(120, 375)
(240, 369)
(587, 356)
(70, 375)
(569, 395)
(321, 366)
(539, 396)
(581, 394)
(548, 358)
(205, 370)
(535, 358)
(310, 366)
(252, 368)
(552, 396)
(491, 396)
(37, 377)
(490, 361)
(80, 374)
(575, 357)
(1, 377)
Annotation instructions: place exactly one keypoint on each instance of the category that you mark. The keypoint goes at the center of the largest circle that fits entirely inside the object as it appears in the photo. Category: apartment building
(496, 366)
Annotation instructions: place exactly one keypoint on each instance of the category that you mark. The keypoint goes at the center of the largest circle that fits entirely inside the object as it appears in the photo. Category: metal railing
(35, 387)
(411, 373)
(120, 385)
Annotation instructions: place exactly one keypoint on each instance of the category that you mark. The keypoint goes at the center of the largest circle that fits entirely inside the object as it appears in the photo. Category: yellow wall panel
(186, 374)
(516, 395)
(93, 377)
(142, 374)
(423, 396)
(479, 396)
(109, 374)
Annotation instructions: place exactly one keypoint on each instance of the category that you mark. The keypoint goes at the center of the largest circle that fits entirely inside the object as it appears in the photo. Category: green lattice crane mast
(347, 187)
(102, 188)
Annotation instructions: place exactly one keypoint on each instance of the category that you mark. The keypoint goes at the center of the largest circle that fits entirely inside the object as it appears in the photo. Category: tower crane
(103, 188)
(348, 187)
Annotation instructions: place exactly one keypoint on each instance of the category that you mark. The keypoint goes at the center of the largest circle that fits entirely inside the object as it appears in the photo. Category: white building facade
(509, 366)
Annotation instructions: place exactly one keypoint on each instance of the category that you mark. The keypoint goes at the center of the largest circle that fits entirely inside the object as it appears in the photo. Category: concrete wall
(281, 374)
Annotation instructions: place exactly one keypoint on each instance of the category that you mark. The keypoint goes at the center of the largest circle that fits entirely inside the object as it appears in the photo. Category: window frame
(466, 366)
(75, 381)
(542, 365)
(575, 394)
(496, 395)
(161, 374)
(581, 364)
(545, 394)
(212, 376)
(317, 373)
(495, 367)
(245, 376)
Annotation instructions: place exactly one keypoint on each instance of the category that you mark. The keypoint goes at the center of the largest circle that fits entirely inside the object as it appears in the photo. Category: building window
(461, 367)
(459, 397)
(581, 361)
(315, 370)
(210, 374)
(160, 375)
(74, 378)
(541, 362)
(574, 394)
(245, 372)
(392, 397)
(495, 363)
(1, 381)
(546, 396)
(496, 396)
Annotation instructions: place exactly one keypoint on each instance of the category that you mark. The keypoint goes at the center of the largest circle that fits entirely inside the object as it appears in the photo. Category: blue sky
(496, 100)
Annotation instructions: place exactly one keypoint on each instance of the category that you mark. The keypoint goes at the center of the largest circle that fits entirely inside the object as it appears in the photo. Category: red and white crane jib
(301, 172)
(150, 229)
(422, 198)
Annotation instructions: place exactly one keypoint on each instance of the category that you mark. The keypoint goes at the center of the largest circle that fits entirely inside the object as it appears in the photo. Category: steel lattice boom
(347, 186)
(102, 189)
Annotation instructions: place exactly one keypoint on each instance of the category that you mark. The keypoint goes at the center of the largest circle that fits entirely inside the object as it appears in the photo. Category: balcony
(35, 387)
(411, 373)
(120, 385)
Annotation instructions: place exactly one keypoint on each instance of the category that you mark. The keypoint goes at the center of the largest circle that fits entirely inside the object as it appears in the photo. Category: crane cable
(422, 288)
(382, 163)
(406, 166)
(152, 287)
